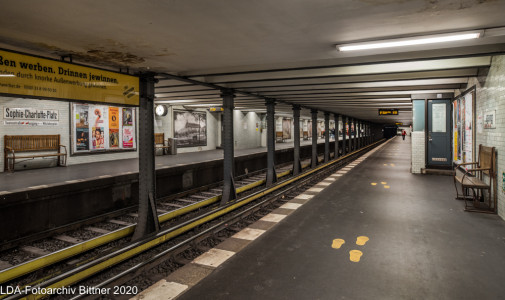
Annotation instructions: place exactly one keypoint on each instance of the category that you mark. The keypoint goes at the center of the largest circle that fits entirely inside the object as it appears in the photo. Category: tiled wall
(490, 95)
(418, 151)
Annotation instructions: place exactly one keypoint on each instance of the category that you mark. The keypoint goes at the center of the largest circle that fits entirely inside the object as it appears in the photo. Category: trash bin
(173, 146)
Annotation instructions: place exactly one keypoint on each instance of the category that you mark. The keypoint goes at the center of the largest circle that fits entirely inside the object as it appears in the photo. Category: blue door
(439, 133)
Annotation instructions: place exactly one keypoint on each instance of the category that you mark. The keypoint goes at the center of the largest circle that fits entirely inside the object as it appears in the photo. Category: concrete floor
(37, 177)
(422, 245)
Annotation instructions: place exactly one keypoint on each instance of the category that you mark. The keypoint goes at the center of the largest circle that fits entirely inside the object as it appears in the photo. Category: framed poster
(190, 128)
(100, 128)
(463, 127)
(490, 119)
(286, 129)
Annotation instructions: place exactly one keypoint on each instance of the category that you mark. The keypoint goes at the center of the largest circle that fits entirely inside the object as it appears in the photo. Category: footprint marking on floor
(355, 255)
(361, 240)
(373, 183)
(337, 243)
(383, 182)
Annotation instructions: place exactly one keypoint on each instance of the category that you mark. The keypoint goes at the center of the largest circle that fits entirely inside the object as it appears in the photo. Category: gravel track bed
(16, 256)
(107, 226)
(126, 218)
(83, 234)
(51, 245)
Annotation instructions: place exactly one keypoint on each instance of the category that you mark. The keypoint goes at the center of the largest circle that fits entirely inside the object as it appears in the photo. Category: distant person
(404, 133)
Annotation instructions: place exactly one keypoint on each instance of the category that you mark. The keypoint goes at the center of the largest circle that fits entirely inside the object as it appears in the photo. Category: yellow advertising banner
(39, 77)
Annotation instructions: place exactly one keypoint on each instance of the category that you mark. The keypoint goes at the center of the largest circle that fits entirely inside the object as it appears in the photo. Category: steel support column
(336, 135)
(344, 134)
(326, 136)
(229, 191)
(314, 138)
(147, 222)
(296, 119)
(271, 175)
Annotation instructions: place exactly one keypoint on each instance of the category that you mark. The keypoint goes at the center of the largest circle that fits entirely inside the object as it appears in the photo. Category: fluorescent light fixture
(7, 75)
(420, 40)
(203, 105)
(174, 101)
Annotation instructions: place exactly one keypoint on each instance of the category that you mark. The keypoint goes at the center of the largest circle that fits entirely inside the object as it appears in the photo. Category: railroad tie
(34, 250)
(97, 230)
(68, 239)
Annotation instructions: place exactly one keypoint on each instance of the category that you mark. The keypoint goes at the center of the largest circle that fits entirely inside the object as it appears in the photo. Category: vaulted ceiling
(282, 49)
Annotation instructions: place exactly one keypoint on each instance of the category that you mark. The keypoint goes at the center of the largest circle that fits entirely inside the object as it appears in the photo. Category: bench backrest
(487, 159)
(159, 138)
(20, 143)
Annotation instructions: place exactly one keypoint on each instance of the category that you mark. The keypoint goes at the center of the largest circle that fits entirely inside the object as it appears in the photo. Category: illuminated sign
(384, 112)
(399, 123)
(27, 75)
(214, 109)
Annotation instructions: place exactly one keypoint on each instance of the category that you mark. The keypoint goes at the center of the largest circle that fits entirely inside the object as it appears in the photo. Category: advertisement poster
(127, 116)
(113, 127)
(127, 137)
(82, 139)
(286, 129)
(113, 138)
(98, 138)
(468, 127)
(190, 128)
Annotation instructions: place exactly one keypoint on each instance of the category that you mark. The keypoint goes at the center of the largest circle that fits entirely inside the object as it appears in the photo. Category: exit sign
(385, 112)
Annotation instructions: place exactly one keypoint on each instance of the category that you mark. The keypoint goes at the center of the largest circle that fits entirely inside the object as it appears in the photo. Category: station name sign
(27, 75)
(385, 112)
(30, 114)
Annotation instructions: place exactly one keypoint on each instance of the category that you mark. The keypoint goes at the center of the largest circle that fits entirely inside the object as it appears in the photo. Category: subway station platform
(41, 178)
(370, 231)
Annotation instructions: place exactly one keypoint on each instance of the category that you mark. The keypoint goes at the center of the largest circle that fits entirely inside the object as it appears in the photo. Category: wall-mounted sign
(39, 77)
(214, 109)
(399, 123)
(384, 111)
(30, 114)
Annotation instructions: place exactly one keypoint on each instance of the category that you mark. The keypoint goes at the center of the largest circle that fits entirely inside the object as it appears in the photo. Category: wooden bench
(279, 137)
(15, 144)
(159, 143)
(474, 179)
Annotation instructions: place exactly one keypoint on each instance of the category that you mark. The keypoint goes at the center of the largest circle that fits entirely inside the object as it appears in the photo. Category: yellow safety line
(132, 252)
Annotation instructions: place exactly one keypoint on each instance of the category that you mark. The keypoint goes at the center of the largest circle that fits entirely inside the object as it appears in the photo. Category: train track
(174, 237)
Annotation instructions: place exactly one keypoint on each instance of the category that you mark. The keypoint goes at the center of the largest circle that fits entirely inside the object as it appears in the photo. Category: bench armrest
(64, 147)
(466, 164)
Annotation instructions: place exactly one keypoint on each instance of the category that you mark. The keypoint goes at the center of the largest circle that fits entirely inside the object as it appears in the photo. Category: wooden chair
(474, 179)
(15, 144)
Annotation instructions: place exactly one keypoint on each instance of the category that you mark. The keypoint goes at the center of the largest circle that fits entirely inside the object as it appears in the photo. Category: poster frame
(72, 130)
(459, 98)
